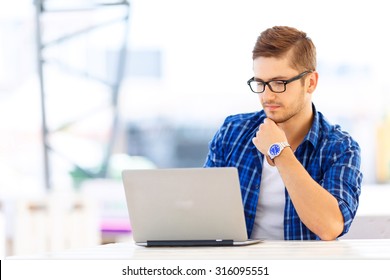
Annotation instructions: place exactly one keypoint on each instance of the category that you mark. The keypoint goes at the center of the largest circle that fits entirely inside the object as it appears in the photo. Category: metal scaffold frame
(114, 87)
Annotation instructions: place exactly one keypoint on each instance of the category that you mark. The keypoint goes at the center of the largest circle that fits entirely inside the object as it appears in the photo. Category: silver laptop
(185, 207)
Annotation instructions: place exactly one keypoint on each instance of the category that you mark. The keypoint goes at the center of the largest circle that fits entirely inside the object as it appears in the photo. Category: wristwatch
(276, 149)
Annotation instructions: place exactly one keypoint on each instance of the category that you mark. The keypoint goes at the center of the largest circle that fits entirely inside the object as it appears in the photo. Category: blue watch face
(274, 150)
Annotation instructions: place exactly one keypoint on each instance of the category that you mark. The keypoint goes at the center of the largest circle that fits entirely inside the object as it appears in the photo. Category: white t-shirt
(270, 207)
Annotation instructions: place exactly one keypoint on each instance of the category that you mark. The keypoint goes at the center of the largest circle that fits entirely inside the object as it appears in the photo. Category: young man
(300, 176)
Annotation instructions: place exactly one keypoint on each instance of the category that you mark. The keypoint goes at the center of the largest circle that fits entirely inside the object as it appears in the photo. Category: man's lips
(272, 106)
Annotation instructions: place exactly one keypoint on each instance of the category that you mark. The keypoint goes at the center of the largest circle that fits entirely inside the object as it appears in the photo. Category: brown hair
(279, 40)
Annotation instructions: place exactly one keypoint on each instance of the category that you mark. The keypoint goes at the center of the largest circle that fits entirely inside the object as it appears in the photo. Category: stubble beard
(287, 114)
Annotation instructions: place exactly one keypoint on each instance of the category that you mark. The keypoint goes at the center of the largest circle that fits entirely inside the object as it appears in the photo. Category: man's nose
(268, 94)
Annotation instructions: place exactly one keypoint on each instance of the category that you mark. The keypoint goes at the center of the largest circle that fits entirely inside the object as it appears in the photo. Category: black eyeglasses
(277, 86)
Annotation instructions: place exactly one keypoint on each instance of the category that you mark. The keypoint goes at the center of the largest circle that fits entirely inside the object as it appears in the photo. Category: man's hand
(268, 134)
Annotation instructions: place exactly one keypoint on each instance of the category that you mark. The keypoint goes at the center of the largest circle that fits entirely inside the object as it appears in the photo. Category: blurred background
(89, 88)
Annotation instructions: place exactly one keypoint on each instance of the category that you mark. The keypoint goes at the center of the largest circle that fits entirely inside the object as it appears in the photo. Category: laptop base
(196, 243)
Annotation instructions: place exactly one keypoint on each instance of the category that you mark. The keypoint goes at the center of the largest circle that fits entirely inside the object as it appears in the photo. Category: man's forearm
(315, 206)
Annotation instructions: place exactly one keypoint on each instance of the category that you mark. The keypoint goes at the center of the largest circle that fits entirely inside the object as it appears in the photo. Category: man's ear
(313, 80)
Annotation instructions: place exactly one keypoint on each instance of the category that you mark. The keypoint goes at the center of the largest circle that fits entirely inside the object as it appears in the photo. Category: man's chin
(273, 117)
(277, 119)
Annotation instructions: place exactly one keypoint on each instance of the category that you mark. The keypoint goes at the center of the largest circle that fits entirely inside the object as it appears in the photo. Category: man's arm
(316, 207)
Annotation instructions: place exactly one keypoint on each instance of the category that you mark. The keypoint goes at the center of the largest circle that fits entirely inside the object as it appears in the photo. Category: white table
(270, 250)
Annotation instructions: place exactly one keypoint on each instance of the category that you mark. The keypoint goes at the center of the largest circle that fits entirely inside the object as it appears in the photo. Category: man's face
(281, 107)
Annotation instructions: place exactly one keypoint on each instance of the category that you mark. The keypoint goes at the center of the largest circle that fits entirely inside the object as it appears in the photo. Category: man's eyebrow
(277, 78)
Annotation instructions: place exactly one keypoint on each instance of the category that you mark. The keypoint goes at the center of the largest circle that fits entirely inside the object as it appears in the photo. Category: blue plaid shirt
(330, 156)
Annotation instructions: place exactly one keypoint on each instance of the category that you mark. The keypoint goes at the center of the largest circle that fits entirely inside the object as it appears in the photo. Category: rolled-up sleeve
(343, 179)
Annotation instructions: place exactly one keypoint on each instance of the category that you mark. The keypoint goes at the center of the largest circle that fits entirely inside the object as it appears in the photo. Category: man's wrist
(282, 155)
